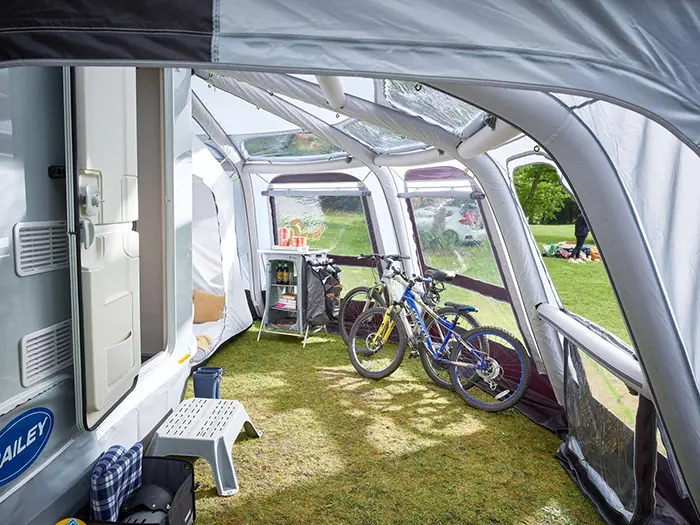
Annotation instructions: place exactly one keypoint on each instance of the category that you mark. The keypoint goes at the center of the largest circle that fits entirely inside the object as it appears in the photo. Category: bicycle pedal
(413, 354)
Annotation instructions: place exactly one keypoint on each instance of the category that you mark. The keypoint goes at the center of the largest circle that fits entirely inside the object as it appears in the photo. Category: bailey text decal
(22, 441)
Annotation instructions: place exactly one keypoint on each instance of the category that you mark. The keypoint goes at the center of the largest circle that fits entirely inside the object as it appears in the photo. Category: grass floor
(584, 288)
(337, 448)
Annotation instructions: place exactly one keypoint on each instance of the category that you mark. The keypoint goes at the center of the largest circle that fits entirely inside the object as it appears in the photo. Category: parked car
(456, 225)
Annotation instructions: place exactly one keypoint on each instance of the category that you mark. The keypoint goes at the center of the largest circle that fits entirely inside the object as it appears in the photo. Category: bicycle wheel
(439, 372)
(376, 355)
(505, 377)
(354, 303)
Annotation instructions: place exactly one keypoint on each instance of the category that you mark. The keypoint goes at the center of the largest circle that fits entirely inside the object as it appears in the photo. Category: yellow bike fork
(385, 328)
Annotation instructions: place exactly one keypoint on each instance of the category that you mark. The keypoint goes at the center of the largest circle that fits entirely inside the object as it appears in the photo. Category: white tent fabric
(611, 212)
(215, 260)
(661, 177)
(200, 113)
(237, 116)
(207, 274)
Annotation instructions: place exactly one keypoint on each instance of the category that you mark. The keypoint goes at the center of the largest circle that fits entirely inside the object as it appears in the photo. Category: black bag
(322, 292)
(161, 479)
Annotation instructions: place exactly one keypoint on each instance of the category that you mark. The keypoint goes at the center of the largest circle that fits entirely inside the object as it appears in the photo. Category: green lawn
(554, 233)
(340, 449)
(584, 288)
(345, 233)
(475, 261)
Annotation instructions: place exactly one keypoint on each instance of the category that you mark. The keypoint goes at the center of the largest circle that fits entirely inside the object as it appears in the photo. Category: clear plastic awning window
(430, 104)
(381, 140)
(298, 144)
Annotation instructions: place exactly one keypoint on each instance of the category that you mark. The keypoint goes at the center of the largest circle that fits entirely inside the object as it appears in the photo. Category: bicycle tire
(526, 374)
(400, 352)
(343, 326)
(431, 368)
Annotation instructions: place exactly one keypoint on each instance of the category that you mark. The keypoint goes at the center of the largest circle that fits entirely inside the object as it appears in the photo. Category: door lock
(90, 199)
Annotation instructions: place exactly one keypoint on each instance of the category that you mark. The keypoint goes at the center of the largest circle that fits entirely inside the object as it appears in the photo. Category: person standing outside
(581, 232)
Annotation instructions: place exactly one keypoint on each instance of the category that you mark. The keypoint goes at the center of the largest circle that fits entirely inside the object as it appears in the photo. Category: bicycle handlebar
(387, 257)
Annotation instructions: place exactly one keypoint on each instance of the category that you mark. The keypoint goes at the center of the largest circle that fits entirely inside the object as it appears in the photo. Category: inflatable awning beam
(473, 126)
(486, 139)
(410, 159)
(621, 364)
(332, 88)
(300, 167)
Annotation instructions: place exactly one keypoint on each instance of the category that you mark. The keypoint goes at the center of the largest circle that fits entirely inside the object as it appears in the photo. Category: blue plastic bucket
(207, 382)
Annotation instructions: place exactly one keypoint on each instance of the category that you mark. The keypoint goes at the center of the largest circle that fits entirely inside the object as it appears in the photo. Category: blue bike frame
(409, 298)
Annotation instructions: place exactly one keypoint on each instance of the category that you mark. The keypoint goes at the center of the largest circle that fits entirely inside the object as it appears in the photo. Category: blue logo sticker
(21, 442)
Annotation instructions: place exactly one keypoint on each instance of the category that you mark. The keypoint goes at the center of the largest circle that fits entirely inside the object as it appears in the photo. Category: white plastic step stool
(205, 428)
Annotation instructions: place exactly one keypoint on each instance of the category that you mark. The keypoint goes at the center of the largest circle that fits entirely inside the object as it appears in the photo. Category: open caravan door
(103, 194)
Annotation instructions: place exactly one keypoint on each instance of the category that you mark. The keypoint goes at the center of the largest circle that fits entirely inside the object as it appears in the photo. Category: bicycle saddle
(462, 307)
(440, 276)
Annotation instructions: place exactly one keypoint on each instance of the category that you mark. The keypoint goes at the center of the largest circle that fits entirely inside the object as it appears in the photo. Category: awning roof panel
(329, 116)
(381, 140)
(430, 104)
(236, 116)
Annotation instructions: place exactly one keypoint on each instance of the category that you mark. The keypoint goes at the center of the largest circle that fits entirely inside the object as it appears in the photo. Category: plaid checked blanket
(116, 475)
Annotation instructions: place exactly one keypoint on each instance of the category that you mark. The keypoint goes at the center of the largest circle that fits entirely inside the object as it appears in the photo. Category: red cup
(298, 241)
(285, 236)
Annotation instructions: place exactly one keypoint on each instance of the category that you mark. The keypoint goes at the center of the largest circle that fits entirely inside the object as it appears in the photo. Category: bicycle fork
(384, 332)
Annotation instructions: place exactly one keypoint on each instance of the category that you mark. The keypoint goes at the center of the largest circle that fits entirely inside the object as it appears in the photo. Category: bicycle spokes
(375, 340)
(495, 362)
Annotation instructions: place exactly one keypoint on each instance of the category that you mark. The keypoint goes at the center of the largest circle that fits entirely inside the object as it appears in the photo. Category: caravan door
(103, 189)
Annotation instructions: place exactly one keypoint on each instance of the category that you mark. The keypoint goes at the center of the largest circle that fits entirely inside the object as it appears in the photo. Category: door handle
(87, 233)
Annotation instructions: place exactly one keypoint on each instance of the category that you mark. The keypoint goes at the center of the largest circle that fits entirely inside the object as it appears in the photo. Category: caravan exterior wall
(45, 461)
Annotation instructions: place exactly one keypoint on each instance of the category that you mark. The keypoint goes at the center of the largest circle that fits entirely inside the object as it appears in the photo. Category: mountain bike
(363, 298)
(487, 357)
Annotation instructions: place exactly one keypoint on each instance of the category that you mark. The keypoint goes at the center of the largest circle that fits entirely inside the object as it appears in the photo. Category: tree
(540, 192)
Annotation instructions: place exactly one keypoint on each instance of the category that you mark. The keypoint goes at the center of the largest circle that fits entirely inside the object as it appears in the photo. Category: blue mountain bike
(485, 357)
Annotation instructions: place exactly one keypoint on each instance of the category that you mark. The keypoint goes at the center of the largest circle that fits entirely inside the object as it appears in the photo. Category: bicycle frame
(415, 304)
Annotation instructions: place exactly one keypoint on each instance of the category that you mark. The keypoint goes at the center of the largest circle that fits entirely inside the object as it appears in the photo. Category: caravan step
(206, 428)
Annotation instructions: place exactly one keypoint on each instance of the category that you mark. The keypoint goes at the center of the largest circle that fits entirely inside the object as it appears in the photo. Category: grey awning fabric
(642, 53)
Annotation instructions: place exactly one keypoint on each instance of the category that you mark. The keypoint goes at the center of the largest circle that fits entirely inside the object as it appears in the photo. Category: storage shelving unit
(283, 320)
